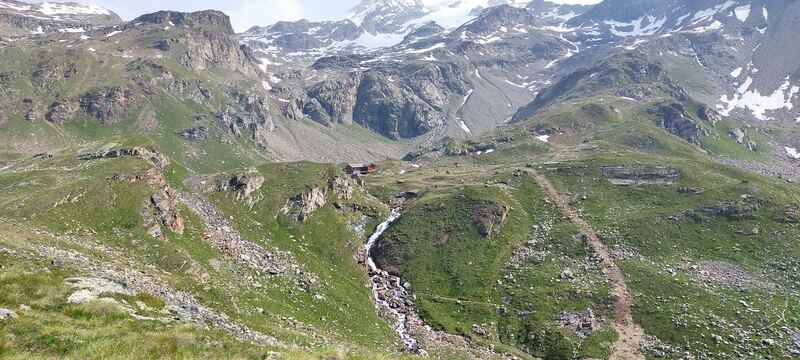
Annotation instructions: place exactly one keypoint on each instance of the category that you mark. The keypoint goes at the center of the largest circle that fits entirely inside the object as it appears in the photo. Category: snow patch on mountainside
(756, 103)
(446, 13)
(53, 9)
(464, 127)
(742, 12)
(371, 42)
(543, 138)
(643, 26)
(710, 12)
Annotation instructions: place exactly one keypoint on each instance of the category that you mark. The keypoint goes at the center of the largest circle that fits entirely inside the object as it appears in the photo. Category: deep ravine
(388, 291)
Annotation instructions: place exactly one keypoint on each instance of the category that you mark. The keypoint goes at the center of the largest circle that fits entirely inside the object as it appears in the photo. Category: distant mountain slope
(745, 50)
(503, 55)
(18, 17)
(379, 23)
(182, 79)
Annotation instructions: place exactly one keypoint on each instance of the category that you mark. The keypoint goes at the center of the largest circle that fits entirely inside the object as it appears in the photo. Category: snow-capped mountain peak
(392, 16)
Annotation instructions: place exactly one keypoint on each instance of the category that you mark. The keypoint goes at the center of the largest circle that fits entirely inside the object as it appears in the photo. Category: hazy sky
(246, 13)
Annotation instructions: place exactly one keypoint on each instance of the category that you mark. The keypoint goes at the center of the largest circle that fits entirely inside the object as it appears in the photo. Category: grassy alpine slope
(120, 237)
(704, 248)
(65, 218)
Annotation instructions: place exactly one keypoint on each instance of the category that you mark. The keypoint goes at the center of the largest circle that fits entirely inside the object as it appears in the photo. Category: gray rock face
(61, 112)
(7, 314)
(402, 108)
(311, 201)
(583, 323)
(246, 111)
(245, 185)
(107, 105)
(164, 206)
(393, 111)
(674, 118)
(208, 40)
(626, 74)
(196, 133)
(741, 137)
(638, 175)
(343, 187)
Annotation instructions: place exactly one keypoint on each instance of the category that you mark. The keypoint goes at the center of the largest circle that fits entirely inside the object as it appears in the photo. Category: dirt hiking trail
(630, 334)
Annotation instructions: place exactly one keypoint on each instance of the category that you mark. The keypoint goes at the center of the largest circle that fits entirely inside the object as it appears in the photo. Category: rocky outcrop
(195, 133)
(742, 209)
(303, 205)
(246, 112)
(157, 159)
(51, 70)
(163, 210)
(582, 323)
(490, 218)
(737, 134)
(108, 105)
(7, 314)
(310, 202)
(207, 39)
(674, 118)
(792, 214)
(245, 185)
(61, 112)
(343, 187)
(640, 175)
(741, 137)
(709, 115)
(31, 115)
(192, 90)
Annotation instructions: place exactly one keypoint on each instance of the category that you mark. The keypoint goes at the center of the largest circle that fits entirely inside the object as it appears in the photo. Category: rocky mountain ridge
(572, 188)
(460, 80)
(18, 17)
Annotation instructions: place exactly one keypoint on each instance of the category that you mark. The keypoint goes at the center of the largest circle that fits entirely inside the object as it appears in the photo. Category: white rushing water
(393, 215)
(391, 286)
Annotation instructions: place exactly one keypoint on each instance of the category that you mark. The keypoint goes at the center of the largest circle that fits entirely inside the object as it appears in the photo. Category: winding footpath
(630, 333)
